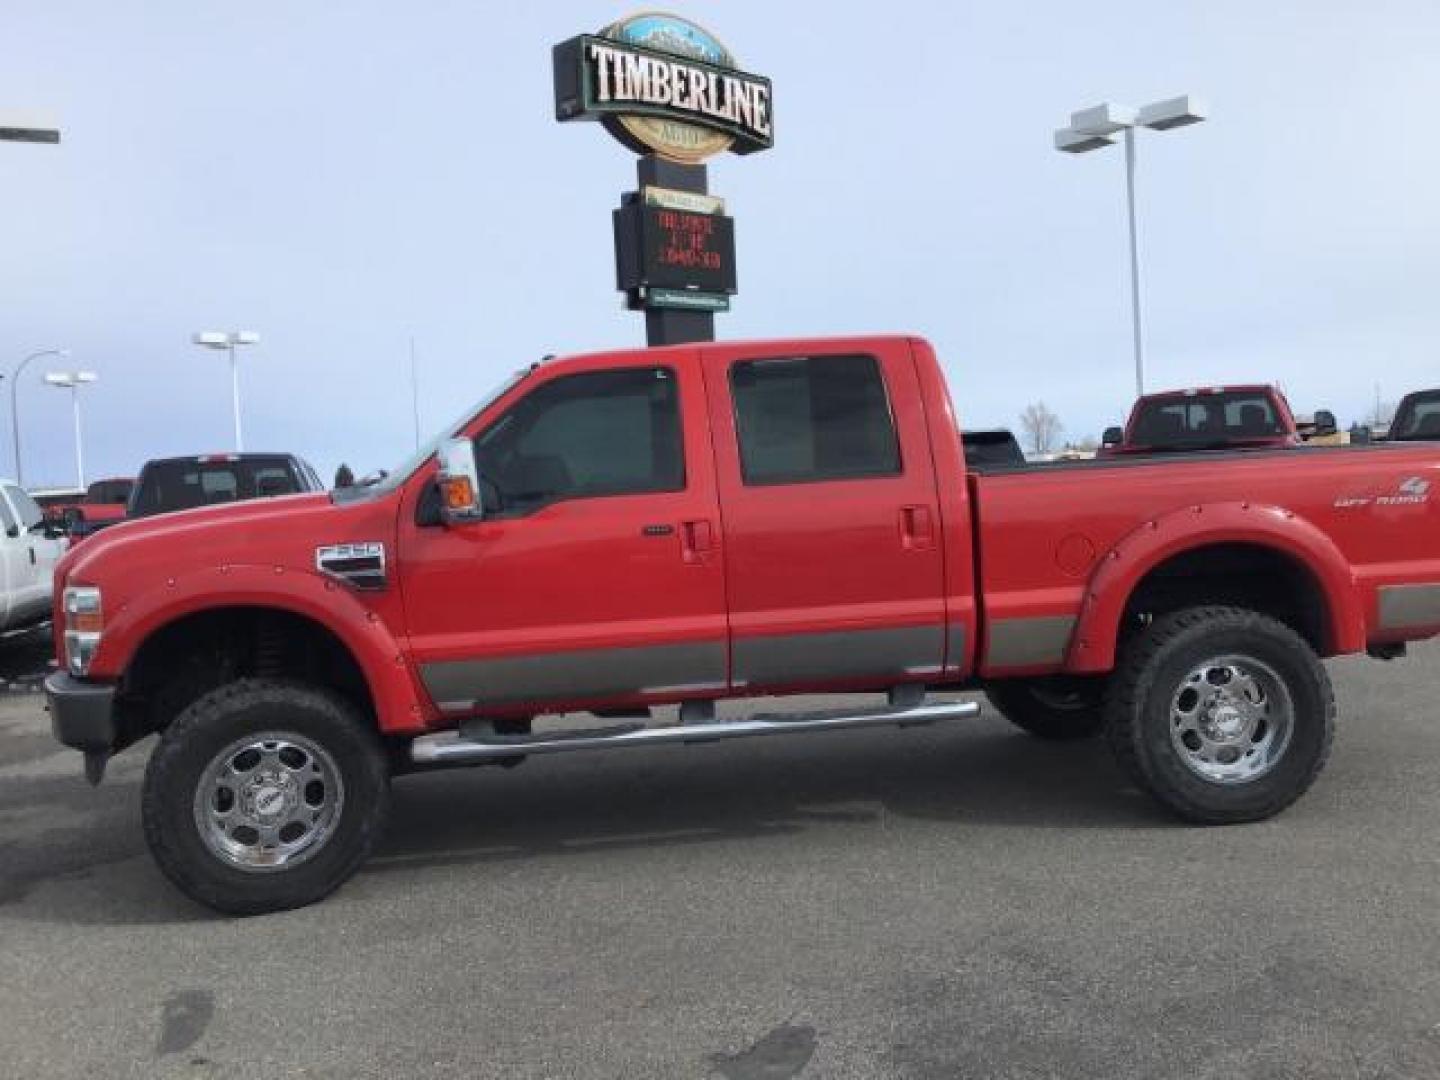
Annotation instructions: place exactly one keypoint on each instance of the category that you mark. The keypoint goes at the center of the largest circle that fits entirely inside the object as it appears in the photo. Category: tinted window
(984, 448)
(813, 418)
(1422, 419)
(581, 436)
(108, 491)
(1207, 418)
(28, 509)
(7, 518)
(185, 484)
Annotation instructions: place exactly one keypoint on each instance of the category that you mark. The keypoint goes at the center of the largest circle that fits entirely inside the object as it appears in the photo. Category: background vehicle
(56, 499)
(1215, 418)
(1417, 417)
(682, 525)
(1321, 429)
(183, 483)
(103, 504)
(29, 549)
(997, 446)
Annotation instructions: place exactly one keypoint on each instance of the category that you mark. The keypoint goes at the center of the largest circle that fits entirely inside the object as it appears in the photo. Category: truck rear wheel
(264, 795)
(1057, 708)
(1222, 714)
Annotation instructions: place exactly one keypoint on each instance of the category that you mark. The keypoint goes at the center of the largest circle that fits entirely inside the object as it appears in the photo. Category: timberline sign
(663, 85)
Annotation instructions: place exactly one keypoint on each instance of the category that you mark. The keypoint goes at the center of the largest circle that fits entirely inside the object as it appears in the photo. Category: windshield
(1419, 417)
(1205, 420)
(406, 468)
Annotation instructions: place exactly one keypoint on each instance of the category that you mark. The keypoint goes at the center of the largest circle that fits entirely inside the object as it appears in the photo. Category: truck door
(834, 570)
(597, 575)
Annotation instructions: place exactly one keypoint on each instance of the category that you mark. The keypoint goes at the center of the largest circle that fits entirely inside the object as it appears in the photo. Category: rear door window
(810, 419)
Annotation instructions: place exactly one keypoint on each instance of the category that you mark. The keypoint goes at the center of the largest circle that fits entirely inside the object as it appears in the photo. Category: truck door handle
(917, 530)
(32, 556)
(696, 541)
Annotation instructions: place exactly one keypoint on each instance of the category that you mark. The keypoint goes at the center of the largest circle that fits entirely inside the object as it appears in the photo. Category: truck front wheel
(1222, 714)
(1057, 708)
(264, 795)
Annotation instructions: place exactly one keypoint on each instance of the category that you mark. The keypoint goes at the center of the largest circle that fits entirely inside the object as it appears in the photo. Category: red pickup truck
(680, 525)
(1209, 418)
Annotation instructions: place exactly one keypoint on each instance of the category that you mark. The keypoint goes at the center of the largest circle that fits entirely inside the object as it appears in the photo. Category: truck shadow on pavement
(73, 855)
(985, 776)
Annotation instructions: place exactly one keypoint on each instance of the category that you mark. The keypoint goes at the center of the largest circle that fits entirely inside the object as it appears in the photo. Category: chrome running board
(451, 748)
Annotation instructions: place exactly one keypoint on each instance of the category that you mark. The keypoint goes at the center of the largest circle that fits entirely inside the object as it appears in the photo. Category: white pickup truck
(29, 550)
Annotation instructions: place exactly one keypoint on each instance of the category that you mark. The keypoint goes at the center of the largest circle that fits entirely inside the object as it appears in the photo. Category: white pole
(235, 397)
(1134, 260)
(79, 445)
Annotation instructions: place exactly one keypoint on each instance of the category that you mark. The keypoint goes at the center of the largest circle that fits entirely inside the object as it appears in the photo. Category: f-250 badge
(1412, 491)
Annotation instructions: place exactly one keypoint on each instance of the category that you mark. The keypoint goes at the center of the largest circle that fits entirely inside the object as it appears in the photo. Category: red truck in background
(102, 505)
(1212, 418)
(680, 525)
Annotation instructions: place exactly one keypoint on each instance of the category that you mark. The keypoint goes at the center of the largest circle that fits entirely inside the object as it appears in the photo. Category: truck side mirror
(459, 482)
(1325, 422)
(1113, 436)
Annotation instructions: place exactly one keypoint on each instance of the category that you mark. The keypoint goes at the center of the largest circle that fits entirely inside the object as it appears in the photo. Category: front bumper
(82, 714)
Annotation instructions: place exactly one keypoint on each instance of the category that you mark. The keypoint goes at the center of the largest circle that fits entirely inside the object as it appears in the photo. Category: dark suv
(183, 483)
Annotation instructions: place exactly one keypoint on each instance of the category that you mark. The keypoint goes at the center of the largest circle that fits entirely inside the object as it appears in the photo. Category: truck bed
(1374, 508)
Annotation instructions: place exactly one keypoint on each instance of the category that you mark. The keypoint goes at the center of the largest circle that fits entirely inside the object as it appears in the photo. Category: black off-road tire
(1151, 670)
(1058, 709)
(209, 725)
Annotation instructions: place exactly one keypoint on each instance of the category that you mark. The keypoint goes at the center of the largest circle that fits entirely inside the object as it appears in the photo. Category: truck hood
(282, 531)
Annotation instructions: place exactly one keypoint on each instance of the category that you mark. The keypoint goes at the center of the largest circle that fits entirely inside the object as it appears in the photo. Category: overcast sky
(344, 176)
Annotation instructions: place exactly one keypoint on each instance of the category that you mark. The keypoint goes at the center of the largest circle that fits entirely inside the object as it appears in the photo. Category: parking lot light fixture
(15, 404)
(1096, 128)
(28, 126)
(228, 341)
(72, 381)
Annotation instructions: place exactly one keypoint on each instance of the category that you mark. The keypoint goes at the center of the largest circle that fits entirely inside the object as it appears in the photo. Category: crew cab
(676, 526)
(1211, 418)
(183, 483)
(1417, 417)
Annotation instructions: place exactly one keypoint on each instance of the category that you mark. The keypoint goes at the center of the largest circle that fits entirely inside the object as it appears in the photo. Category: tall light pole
(72, 381)
(1094, 129)
(31, 127)
(15, 405)
(219, 339)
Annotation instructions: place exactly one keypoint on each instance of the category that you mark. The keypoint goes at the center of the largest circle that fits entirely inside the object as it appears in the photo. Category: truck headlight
(84, 622)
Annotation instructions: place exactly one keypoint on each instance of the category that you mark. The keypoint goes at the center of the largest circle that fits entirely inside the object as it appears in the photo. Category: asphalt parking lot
(962, 901)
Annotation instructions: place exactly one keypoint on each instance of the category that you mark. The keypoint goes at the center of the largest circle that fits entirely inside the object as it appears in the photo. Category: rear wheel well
(197, 653)
(1249, 576)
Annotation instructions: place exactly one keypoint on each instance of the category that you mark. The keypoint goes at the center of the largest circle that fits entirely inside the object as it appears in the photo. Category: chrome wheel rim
(269, 801)
(1231, 719)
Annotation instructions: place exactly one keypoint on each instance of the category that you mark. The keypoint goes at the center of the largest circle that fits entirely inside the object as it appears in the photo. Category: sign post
(668, 90)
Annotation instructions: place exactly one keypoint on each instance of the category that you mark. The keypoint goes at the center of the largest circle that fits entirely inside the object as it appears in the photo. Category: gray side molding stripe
(579, 673)
(1029, 642)
(1409, 607)
(839, 654)
(955, 647)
